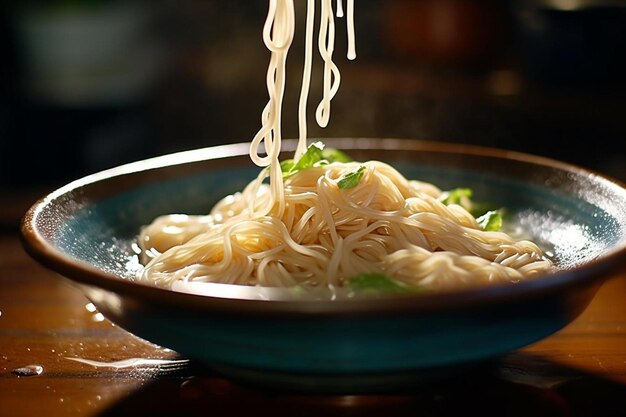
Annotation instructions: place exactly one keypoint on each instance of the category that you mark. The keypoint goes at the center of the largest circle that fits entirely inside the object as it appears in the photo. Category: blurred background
(89, 84)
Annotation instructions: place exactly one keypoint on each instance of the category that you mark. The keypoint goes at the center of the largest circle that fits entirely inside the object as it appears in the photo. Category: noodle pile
(306, 229)
(325, 235)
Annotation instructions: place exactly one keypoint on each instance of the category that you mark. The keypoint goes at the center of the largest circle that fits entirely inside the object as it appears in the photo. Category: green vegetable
(352, 178)
(457, 196)
(488, 217)
(312, 155)
(491, 221)
(315, 155)
(286, 166)
(378, 283)
(335, 155)
(480, 208)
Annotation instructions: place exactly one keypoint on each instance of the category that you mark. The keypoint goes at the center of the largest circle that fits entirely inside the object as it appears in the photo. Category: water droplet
(29, 370)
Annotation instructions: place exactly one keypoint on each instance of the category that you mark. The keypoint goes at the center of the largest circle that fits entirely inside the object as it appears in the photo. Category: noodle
(325, 235)
(333, 220)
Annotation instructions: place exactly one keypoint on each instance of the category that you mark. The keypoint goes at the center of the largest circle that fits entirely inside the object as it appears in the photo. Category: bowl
(86, 230)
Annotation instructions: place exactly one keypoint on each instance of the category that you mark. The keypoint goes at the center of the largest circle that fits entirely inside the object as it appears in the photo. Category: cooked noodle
(307, 230)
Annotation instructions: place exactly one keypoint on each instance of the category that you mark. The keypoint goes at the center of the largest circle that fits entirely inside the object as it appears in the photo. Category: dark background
(90, 84)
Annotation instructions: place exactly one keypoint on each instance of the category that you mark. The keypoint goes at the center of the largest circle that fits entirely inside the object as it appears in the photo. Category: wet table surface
(60, 357)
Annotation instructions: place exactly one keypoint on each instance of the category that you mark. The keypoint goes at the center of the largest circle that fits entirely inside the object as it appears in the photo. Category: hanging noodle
(306, 229)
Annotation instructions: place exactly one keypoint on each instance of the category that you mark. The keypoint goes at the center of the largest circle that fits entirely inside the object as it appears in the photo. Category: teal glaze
(103, 232)
(349, 346)
(86, 232)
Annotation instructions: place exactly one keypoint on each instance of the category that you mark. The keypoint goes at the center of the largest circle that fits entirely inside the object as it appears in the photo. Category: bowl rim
(591, 273)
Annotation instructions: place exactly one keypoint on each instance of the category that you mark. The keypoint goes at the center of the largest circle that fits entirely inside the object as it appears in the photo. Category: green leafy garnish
(460, 196)
(352, 178)
(491, 221)
(312, 155)
(477, 209)
(286, 166)
(315, 155)
(488, 217)
(335, 155)
(378, 283)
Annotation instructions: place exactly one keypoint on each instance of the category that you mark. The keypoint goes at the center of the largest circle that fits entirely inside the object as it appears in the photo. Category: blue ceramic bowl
(85, 232)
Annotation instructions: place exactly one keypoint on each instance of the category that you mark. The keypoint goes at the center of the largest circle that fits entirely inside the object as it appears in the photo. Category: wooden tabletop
(47, 328)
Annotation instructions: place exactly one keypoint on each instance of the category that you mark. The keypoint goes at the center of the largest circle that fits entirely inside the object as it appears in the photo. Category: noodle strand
(309, 230)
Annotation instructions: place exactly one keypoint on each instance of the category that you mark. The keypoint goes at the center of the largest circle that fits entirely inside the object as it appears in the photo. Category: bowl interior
(575, 216)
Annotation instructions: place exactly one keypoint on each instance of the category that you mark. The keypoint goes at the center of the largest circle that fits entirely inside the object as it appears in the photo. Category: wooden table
(580, 371)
